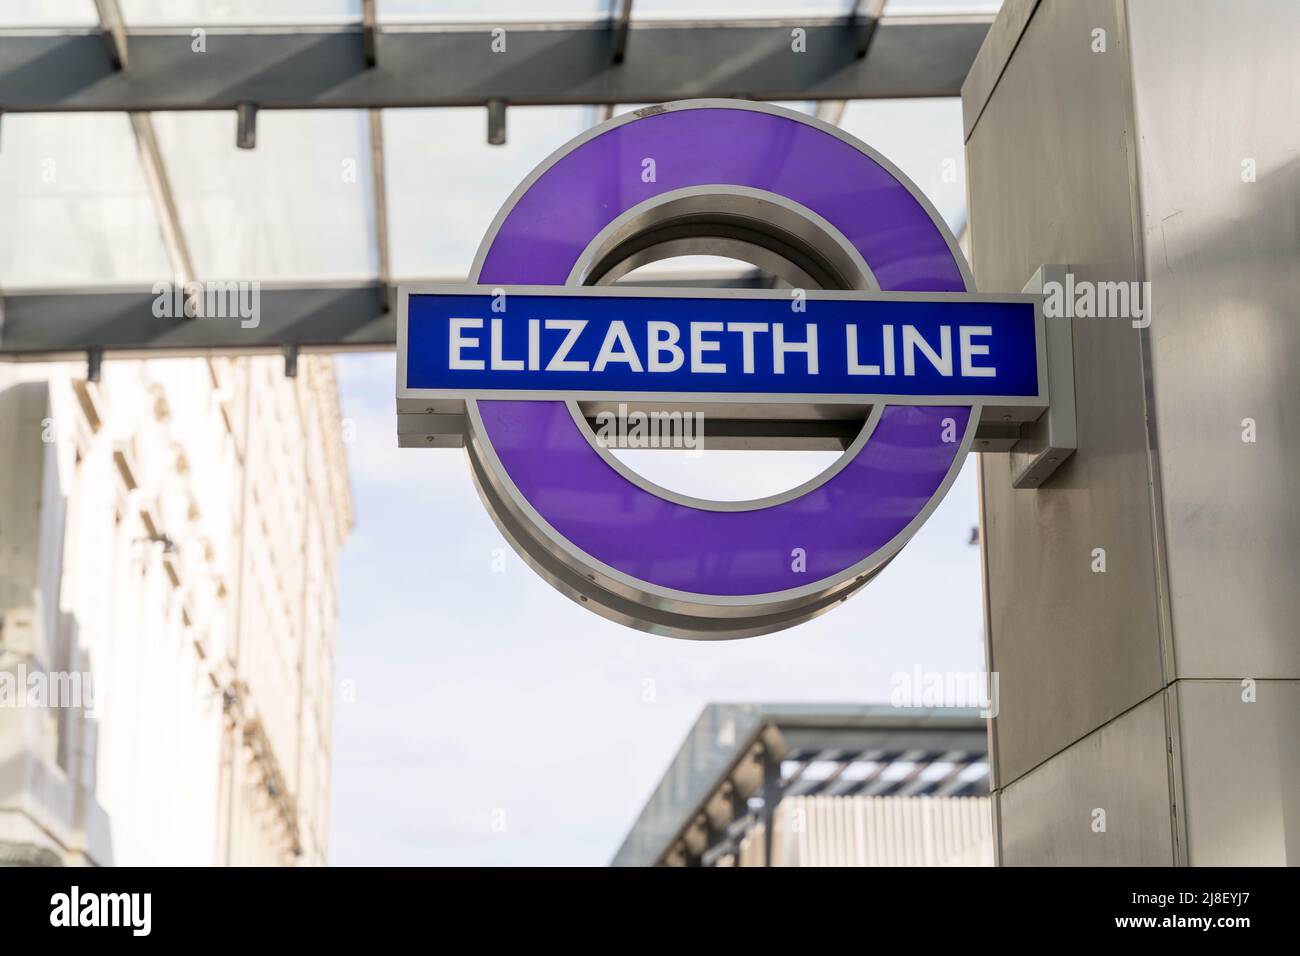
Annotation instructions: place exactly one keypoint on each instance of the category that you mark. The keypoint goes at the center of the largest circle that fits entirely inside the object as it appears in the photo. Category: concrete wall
(1151, 141)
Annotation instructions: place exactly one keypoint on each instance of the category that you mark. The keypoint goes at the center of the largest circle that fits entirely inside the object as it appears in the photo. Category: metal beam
(113, 30)
(831, 111)
(771, 797)
(379, 192)
(48, 325)
(369, 31)
(622, 23)
(496, 135)
(164, 200)
(246, 125)
(45, 325)
(339, 316)
(448, 430)
(326, 68)
(868, 24)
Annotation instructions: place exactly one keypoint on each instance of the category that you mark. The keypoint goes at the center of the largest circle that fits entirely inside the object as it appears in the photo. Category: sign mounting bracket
(1045, 445)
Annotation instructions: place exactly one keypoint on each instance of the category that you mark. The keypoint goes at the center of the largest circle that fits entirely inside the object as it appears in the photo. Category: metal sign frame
(452, 399)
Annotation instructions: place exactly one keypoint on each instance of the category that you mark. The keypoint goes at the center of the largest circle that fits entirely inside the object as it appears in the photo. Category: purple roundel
(862, 508)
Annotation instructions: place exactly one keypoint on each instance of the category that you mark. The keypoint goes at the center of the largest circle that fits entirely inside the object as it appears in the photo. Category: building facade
(168, 538)
(834, 785)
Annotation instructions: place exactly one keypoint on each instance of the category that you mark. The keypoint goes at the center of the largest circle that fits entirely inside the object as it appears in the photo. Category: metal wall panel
(1048, 816)
(1241, 803)
(992, 58)
(1049, 166)
(1217, 94)
(1171, 156)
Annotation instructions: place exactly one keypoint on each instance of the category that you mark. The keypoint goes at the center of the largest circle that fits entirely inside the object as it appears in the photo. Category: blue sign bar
(623, 342)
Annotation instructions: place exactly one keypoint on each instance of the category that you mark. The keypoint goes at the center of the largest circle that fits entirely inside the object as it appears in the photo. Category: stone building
(168, 593)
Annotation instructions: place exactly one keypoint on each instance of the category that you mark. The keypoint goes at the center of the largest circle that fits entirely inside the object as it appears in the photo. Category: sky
(484, 718)
(491, 720)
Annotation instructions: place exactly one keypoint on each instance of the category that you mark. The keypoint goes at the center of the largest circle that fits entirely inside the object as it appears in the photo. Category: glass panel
(923, 138)
(491, 11)
(48, 13)
(445, 183)
(799, 106)
(898, 8)
(806, 107)
(744, 10)
(298, 206)
(78, 210)
(231, 12)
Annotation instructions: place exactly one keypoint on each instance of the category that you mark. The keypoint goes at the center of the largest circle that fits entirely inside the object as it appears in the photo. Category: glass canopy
(325, 195)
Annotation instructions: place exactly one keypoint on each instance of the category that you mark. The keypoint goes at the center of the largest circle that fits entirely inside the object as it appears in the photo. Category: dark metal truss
(248, 69)
(334, 316)
(329, 68)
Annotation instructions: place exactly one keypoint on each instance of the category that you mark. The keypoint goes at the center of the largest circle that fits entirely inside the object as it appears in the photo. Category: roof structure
(327, 149)
(740, 760)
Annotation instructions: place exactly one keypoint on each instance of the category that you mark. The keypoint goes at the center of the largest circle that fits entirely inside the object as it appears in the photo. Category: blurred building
(168, 538)
(834, 785)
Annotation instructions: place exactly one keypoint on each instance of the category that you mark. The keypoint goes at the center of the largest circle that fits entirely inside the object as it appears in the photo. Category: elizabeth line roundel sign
(881, 320)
